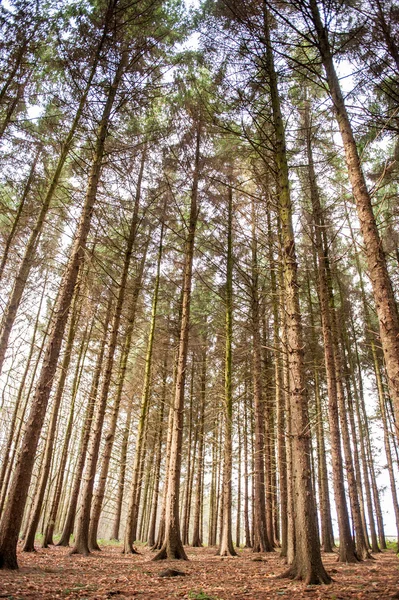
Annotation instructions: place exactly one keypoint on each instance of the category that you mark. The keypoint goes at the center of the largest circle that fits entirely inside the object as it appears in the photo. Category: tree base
(28, 548)
(130, 550)
(83, 550)
(314, 577)
(8, 560)
(171, 553)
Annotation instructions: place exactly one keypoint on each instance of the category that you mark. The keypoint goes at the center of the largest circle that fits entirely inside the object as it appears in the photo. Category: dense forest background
(199, 277)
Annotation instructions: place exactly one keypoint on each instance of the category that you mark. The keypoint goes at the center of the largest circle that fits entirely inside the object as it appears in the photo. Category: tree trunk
(48, 533)
(29, 542)
(110, 436)
(226, 543)
(85, 436)
(172, 546)
(307, 563)
(132, 515)
(346, 544)
(197, 538)
(123, 366)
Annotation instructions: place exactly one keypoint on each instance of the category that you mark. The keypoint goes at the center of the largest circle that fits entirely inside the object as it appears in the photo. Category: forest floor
(53, 573)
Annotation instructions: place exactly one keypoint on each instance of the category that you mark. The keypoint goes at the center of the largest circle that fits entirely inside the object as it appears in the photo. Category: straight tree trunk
(123, 367)
(132, 516)
(346, 545)
(49, 530)
(158, 458)
(226, 543)
(110, 436)
(261, 541)
(172, 547)
(307, 563)
(197, 538)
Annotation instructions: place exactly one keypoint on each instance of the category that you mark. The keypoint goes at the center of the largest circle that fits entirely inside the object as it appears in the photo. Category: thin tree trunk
(132, 515)
(197, 538)
(158, 458)
(346, 544)
(29, 542)
(123, 367)
(85, 436)
(226, 543)
(49, 530)
(110, 436)
(172, 546)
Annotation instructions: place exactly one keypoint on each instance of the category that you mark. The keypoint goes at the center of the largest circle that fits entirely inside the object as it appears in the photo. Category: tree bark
(110, 436)
(226, 547)
(307, 563)
(172, 547)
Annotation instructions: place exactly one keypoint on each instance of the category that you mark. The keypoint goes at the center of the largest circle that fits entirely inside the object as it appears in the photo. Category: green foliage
(201, 595)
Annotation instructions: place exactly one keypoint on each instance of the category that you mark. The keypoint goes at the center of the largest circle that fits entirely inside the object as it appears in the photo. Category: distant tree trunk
(248, 539)
(261, 541)
(161, 527)
(85, 436)
(197, 538)
(172, 547)
(324, 496)
(158, 459)
(346, 544)
(49, 530)
(123, 367)
(226, 543)
(132, 515)
(279, 392)
(190, 462)
(382, 287)
(239, 460)
(110, 436)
